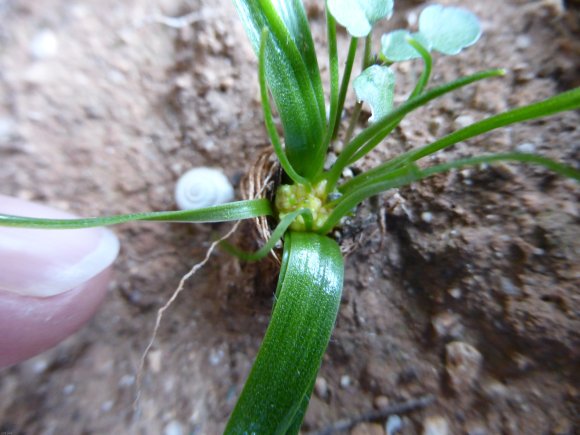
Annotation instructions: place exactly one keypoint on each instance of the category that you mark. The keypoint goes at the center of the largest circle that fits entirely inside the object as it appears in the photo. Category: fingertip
(31, 325)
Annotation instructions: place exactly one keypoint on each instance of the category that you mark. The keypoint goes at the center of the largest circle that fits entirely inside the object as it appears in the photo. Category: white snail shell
(202, 187)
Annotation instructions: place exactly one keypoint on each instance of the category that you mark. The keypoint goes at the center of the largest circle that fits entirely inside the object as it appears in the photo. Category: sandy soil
(470, 296)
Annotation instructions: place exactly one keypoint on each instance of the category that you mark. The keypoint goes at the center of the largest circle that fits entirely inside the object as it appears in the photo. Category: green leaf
(395, 45)
(269, 119)
(449, 29)
(569, 100)
(376, 87)
(294, 17)
(307, 302)
(232, 211)
(293, 77)
(384, 178)
(359, 16)
(378, 131)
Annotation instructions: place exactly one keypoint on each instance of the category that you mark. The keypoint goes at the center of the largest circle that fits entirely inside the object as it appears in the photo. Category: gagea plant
(312, 201)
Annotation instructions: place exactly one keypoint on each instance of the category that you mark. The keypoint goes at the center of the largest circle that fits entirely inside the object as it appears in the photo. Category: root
(255, 188)
(196, 267)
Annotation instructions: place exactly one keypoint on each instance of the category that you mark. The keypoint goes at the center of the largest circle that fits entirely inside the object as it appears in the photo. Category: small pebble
(345, 381)
(462, 121)
(495, 390)
(107, 406)
(381, 402)
(526, 147)
(330, 160)
(216, 356)
(38, 365)
(347, 173)
(463, 365)
(435, 426)
(43, 45)
(508, 287)
(173, 428)
(321, 388)
(69, 389)
(154, 359)
(7, 129)
(427, 217)
(435, 125)
(523, 41)
(394, 425)
(476, 429)
(455, 293)
(367, 429)
(447, 325)
(126, 381)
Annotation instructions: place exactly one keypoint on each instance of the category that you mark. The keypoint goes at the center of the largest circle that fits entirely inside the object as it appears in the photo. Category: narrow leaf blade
(232, 211)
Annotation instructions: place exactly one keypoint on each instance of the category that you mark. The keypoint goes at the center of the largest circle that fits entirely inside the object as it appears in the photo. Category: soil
(464, 287)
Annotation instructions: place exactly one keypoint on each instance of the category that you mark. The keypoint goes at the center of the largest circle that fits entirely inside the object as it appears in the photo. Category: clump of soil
(463, 287)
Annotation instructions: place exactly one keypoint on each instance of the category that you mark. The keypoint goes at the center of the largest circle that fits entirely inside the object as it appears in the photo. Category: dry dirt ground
(471, 295)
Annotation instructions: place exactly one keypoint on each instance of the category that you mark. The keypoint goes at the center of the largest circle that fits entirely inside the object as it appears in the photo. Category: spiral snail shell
(202, 187)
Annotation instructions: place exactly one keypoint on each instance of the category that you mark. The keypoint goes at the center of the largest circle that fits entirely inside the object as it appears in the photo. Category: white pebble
(126, 381)
(216, 356)
(394, 425)
(347, 173)
(345, 381)
(462, 121)
(523, 41)
(321, 388)
(427, 217)
(330, 160)
(107, 406)
(7, 128)
(526, 147)
(508, 287)
(435, 426)
(69, 389)
(455, 293)
(173, 428)
(44, 45)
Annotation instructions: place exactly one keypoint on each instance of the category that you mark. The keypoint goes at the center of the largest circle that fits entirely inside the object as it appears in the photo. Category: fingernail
(45, 263)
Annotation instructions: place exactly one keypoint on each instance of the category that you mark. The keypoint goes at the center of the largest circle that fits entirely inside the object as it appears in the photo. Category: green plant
(312, 201)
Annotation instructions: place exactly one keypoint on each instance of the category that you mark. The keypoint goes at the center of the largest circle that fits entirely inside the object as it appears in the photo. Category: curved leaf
(308, 297)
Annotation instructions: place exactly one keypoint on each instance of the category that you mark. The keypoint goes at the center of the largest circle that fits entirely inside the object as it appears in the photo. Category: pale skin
(51, 281)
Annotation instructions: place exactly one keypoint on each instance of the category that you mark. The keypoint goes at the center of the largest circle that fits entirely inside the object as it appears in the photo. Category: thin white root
(179, 289)
(196, 267)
